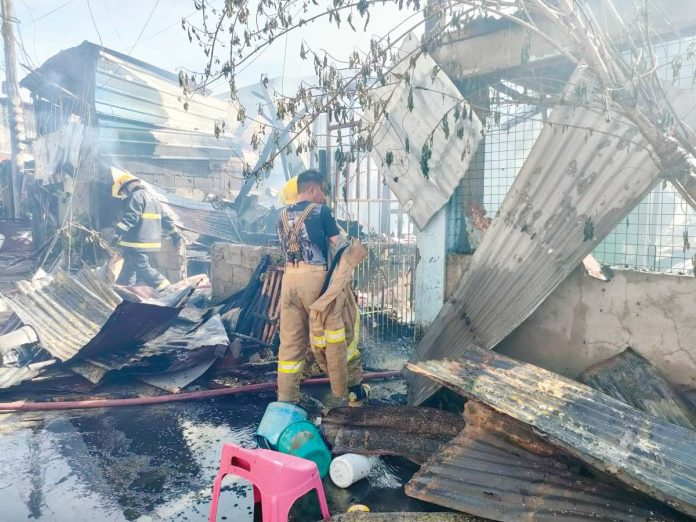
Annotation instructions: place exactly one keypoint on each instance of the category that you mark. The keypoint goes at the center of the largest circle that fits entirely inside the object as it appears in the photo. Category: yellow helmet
(120, 177)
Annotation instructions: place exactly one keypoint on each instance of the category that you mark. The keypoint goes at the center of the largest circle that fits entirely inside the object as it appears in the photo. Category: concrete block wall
(170, 261)
(233, 265)
(586, 321)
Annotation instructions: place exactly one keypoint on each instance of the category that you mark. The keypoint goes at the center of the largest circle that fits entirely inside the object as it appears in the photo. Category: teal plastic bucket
(303, 439)
(278, 416)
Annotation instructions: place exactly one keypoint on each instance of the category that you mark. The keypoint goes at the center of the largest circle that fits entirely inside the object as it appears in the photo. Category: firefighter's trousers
(301, 286)
(137, 269)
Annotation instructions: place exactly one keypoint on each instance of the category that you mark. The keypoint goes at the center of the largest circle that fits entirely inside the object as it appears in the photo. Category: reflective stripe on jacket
(140, 221)
(335, 317)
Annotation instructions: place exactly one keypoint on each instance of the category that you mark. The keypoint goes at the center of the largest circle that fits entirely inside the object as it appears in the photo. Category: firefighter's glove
(115, 239)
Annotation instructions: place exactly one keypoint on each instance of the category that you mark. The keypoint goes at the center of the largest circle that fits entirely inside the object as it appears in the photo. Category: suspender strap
(292, 232)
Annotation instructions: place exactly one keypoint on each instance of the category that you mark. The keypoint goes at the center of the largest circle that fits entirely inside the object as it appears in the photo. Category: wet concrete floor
(157, 463)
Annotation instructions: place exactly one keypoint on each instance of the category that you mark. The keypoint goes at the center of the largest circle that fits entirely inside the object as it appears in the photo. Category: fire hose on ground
(19, 406)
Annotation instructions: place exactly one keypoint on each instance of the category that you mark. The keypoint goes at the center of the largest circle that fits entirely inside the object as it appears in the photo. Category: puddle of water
(157, 463)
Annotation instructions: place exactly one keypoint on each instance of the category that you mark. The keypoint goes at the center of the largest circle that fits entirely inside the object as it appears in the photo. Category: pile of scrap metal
(64, 326)
(538, 446)
(621, 445)
(532, 445)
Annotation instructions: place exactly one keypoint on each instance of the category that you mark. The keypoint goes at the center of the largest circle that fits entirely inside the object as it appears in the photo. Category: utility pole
(15, 113)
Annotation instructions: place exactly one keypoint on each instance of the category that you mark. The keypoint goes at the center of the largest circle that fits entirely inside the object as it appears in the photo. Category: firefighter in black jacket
(139, 231)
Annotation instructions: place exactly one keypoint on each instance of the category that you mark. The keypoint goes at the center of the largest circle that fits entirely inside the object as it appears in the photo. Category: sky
(150, 30)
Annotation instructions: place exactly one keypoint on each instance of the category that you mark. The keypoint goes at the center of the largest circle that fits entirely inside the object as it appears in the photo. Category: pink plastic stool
(278, 480)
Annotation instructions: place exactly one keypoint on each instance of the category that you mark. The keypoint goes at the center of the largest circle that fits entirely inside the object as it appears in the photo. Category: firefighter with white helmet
(139, 230)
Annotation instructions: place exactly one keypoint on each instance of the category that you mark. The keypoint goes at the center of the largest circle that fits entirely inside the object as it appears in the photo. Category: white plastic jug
(348, 469)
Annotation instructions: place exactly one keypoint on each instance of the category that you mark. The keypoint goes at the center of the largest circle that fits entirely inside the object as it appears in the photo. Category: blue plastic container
(303, 439)
(278, 416)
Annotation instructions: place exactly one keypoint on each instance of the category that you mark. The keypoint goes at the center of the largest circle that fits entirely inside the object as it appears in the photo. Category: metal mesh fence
(509, 138)
(366, 208)
(658, 235)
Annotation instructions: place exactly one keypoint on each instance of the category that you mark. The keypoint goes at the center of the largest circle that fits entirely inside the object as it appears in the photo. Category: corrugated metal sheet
(485, 471)
(582, 176)
(632, 379)
(174, 382)
(433, 96)
(13, 375)
(65, 314)
(645, 452)
(413, 433)
(689, 398)
(142, 116)
(199, 217)
(80, 314)
(11, 324)
(139, 107)
(184, 344)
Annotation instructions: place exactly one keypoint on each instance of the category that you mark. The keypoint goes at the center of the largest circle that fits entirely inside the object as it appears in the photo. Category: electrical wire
(94, 23)
(152, 12)
(164, 30)
(49, 13)
(113, 24)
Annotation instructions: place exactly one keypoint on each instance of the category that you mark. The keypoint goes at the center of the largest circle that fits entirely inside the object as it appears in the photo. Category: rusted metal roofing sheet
(406, 127)
(632, 379)
(582, 176)
(647, 453)
(81, 315)
(413, 433)
(499, 470)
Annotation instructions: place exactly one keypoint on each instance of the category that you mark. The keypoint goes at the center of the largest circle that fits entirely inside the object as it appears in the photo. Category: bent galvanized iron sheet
(632, 379)
(413, 433)
(645, 452)
(80, 315)
(582, 176)
(499, 469)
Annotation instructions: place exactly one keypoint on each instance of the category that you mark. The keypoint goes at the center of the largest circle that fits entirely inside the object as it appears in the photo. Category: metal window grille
(367, 209)
(658, 235)
(509, 138)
